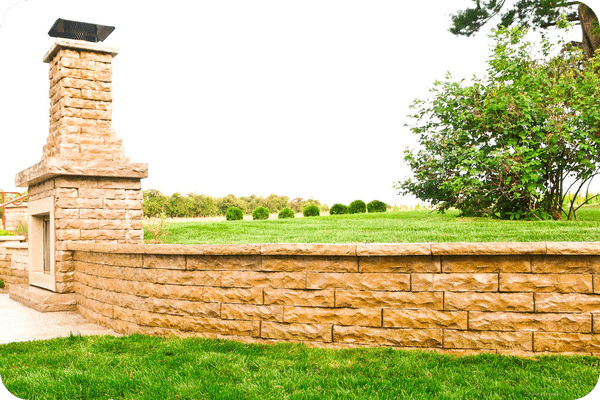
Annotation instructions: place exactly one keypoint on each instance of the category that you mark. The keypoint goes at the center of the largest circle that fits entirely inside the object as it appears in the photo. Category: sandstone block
(416, 301)
(307, 249)
(103, 58)
(479, 248)
(400, 264)
(562, 283)
(358, 281)
(428, 319)
(69, 62)
(393, 249)
(68, 213)
(313, 264)
(164, 261)
(102, 234)
(85, 84)
(486, 263)
(95, 94)
(554, 302)
(499, 321)
(311, 332)
(99, 213)
(67, 202)
(68, 234)
(284, 280)
(560, 264)
(596, 283)
(223, 263)
(337, 316)
(566, 342)
(521, 302)
(455, 282)
(75, 224)
(177, 307)
(252, 312)
(388, 337)
(488, 340)
(123, 204)
(75, 182)
(233, 295)
(308, 298)
(119, 183)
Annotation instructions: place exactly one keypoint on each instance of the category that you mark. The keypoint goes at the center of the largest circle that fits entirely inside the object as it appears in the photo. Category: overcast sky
(299, 98)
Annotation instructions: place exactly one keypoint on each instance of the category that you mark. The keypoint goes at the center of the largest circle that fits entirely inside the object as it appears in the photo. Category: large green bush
(376, 206)
(338, 209)
(357, 207)
(311, 211)
(6, 233)
(234, 214)
(286, 213)
(260, 213)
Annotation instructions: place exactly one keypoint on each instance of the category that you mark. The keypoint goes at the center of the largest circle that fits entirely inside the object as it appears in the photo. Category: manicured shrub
(234, 214)
(377, 206)
(357, 207)
(286, 213)
(311, 211)
(338, 209)
(6, 233)
(260, 213)
(1, 284)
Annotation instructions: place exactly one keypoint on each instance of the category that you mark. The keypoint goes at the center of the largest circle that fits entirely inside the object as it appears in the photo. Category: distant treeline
(199, 205)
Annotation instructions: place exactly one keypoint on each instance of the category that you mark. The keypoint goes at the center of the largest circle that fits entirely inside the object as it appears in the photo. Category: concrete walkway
(21, 323)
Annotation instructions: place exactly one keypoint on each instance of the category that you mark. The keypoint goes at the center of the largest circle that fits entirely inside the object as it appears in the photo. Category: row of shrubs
(358, 207)
(311, 210)
(194, 205)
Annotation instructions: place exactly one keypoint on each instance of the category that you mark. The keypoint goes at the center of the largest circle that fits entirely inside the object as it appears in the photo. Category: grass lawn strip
(142, 367)
(391, 227)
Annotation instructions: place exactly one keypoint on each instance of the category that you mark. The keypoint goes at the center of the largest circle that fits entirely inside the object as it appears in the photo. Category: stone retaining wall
(517, 298)
(15, 215)
(14, 260)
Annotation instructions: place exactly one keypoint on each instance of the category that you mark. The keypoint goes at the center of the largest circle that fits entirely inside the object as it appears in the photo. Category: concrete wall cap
(573, 248)
(488, 248)
(78, 45)
(308, 249)
(393, 249)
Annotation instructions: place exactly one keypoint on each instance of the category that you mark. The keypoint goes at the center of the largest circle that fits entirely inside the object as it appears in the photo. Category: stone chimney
(84, 189)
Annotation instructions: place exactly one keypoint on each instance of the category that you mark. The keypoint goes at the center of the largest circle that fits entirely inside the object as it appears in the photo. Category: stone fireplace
(84, 189)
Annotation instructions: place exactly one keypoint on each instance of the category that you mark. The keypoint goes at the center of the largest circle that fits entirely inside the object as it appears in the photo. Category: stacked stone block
(521, 299)
(81, 106)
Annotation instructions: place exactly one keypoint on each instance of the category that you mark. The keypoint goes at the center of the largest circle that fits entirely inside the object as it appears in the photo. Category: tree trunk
(591, 31)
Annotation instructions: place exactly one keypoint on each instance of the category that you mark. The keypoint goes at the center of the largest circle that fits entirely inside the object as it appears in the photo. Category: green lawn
(141, 367)
(390, 227)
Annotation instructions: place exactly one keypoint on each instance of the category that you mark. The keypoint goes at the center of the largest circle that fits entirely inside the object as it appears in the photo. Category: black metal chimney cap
(66, 29)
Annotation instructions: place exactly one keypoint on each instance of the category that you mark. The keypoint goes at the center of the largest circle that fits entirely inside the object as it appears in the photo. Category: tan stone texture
(164, 262)
(455, 282)
(233, 295)
(550, 322)
(315, 264)
(337, 316)
(561, 303)
(361, 299)
(484, 248)
(468, 301)
(566, 342)
(306, 298)
(557, 264)
(388, 337)
(400, 264)
(312, 332)
(358, 281)
(226, 263)
(424, 319)
(488, 340)
(562, 283)
(486, 264)
(252, 312)
(283, 280)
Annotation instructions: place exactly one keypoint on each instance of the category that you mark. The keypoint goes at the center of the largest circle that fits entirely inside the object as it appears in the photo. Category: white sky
(299, 98)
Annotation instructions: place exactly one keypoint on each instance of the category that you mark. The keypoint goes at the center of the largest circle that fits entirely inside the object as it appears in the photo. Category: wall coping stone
(16, 246)
(12, 238)
(364, 249)
(78, 45)
(55, 166)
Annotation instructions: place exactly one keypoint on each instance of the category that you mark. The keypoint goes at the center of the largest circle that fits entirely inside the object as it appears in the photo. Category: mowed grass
(391, 227)
(142, 367)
